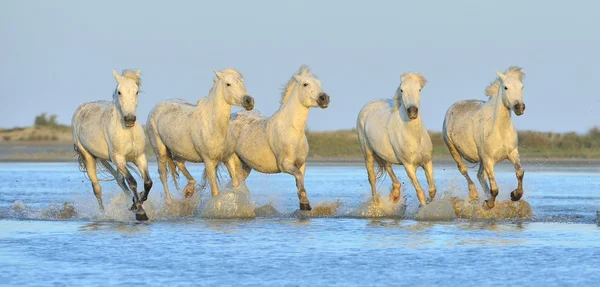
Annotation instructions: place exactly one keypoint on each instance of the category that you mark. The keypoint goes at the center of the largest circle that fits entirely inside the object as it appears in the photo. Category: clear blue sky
(55, 55)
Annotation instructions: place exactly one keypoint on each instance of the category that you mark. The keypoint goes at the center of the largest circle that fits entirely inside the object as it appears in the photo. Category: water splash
(267, 210)
(504, 209)
(322, 209)
(380, 207)
(230, 203)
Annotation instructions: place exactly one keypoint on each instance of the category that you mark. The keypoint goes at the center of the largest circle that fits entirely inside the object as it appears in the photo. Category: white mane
(229, 71)
(512, 71)
(291, 84)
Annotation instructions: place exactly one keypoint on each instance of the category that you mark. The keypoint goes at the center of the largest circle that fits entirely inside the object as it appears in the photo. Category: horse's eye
(419, 90)
(228, 84)
(506, 88)
(119, 92)
(305, 84)
(136, 93)
(401, 91)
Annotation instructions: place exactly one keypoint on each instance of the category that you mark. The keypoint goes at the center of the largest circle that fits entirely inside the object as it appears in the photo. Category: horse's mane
(512, 71)
(409, 76)
(132, 75)
(291, 84)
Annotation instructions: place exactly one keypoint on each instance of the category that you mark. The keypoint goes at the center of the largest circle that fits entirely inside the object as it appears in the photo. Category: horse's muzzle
(129, 120)
(248, 102)
(323, 100)
(413, 112)
(519, 109)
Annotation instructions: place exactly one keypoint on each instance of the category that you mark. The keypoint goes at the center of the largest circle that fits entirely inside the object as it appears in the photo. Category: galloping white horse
(277, 144)
(108, 132)
(483, 132)
(180, 131)
(390, 131)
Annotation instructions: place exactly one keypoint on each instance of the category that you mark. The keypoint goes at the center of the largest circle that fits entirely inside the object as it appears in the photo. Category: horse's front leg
(488, 166)
(142, 165)
(411, 171)
(140, 213)
(428, 167)
(298, 173)
(516, 194)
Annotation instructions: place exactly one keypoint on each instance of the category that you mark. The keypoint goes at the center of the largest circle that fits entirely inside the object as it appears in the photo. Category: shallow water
(44, 241)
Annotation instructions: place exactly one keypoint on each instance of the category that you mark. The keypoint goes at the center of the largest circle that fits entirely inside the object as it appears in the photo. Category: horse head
(126, 94)
(233, 88)
(511, 87)
(408, 93)
(309, 91)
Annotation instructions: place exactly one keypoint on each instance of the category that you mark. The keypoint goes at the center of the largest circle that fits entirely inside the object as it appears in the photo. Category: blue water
(558, 246)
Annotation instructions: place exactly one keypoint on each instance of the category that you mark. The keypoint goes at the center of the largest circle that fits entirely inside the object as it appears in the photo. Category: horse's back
(458, 128)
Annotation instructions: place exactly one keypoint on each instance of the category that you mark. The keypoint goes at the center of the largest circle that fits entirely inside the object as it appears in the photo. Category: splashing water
(322, 209)
(381, 207)
(504, 209)
(230, 203)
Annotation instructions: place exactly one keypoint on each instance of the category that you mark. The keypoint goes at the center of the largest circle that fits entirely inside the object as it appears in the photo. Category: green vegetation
(344, 144)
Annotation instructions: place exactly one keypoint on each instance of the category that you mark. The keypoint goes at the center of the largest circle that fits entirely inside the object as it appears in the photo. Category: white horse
(108, 132)
(277, 144)
(390, 131)
(180, 131)
(483, 132)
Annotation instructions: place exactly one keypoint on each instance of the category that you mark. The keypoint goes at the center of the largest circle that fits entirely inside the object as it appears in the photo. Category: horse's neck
(114, 104)
(292, 113)
(414, 127)
(215, 110)
(501, 117)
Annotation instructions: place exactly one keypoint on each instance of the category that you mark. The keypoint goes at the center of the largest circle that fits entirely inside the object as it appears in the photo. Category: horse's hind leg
(142, 165)
(488, 165)
(90, 166)
(428, 167)
(483, 179)
(188, 191)
(395, 194)
(140, 213)
(473, 195)
(516, 194)
(370, 165)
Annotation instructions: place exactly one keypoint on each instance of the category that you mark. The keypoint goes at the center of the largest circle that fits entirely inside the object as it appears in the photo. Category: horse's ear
(501, 76)
(117, 76)
(138, 73)
(219, 74)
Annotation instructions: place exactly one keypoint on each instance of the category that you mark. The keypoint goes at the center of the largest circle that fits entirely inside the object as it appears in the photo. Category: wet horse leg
(90, 166)
(232, 164)
(395, 194)
(473, 195)
(120, 179)
(290, 168)
(488, 165)
(142, 165)
(483, 179)
(211, 172)
(370, 165)
(516, 194)
(411, 171)
(140, 213)
(188, 190)
(428, 167)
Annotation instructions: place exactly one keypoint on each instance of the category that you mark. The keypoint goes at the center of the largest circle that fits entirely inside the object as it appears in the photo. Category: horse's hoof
(488, 204)
(188, 192)
(305, 206)
(394, 198)
(141, 216)
(514, 196)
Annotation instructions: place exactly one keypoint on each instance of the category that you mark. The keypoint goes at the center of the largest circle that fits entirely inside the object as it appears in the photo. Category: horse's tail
(204, 182)
(379, 168)
(171, 167)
